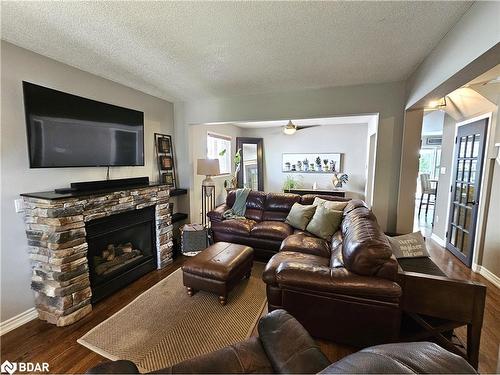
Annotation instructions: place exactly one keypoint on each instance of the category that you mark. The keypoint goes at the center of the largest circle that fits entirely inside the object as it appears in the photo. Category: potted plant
(299, 165)
(338, 179)
(311, 167)
(305, 163)
(291, 183)
(325, 165)
(287, 166)
(332, 165)
(318, 163)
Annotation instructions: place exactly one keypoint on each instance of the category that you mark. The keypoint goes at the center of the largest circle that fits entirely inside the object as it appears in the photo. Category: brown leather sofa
(285, 347)
(264, 228)
(343, 290)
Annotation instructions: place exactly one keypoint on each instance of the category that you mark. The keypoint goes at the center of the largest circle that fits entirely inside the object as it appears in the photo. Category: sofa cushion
(302, 243)
(401, 358)
(325, 222)
(272, 230)
(332, 205)
(309, 198)
(269, 275)
(410, 245)
(300, 215)
(278, 205)
(289, 347)
(234, 226)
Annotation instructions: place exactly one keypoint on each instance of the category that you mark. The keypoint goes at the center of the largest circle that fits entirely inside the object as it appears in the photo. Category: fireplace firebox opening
(121, 249)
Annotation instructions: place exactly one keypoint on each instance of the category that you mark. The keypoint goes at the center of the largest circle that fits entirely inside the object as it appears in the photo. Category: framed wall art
(312, 162)
(165, 159)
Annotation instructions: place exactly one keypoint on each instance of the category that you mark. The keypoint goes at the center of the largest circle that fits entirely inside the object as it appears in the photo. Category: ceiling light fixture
(289, 128)
(435, 104)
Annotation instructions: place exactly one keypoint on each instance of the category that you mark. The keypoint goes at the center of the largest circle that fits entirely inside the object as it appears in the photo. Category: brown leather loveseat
(264, 228)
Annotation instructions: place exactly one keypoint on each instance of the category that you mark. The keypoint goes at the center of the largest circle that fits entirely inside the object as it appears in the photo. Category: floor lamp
(208, 168)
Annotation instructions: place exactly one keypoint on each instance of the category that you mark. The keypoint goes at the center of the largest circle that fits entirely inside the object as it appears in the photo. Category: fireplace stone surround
(55, 228)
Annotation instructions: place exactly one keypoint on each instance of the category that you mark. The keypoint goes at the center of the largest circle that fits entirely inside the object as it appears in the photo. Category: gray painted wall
(350, 140)
(18, 65)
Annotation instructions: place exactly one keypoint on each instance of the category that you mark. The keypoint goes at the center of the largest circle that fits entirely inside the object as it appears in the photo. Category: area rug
(164, 326)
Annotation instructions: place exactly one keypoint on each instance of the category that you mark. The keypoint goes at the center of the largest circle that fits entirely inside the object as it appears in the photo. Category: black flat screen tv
(66, 130)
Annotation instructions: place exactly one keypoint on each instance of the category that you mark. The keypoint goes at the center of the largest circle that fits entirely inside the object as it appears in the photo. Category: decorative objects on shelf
(165, 158)
(208, 168)
(312, 163)
(339, 179)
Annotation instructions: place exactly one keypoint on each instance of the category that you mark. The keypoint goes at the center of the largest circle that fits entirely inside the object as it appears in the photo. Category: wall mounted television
(66, 130)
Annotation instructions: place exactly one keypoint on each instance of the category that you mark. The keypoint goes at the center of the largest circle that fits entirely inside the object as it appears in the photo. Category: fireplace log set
(114, 257)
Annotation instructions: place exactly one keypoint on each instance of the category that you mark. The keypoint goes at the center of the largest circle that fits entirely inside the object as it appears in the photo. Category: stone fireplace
(61, 230)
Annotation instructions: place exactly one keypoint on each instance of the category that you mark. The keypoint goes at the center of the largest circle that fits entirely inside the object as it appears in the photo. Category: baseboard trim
(488, 275)
(18, 320)
(438, 240)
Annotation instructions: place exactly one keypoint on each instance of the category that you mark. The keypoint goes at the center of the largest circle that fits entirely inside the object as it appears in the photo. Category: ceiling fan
(291, 128)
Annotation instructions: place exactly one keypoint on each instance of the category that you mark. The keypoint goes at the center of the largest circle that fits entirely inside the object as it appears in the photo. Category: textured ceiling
(189, 50)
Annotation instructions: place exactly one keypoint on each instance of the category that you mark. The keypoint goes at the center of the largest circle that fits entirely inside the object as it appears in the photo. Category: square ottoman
(218, 269)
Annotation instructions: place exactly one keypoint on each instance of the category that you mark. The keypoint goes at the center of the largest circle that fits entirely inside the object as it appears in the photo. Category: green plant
(291, 183)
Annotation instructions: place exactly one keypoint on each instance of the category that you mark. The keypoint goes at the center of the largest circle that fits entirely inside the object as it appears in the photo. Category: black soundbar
(104, 184)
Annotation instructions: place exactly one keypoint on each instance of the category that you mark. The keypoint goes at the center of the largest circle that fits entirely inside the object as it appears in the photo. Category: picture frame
(167, 178)
(165, 160)
(164, 145)
(308, 162)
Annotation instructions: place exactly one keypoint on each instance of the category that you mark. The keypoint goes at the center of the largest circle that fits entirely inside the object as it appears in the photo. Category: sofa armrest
(114, 367)
(336, 281)
(216, 214)
(289, 347)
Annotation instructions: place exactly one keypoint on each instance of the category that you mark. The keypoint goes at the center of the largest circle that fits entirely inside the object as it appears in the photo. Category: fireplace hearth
(86, 246)
(120, 250)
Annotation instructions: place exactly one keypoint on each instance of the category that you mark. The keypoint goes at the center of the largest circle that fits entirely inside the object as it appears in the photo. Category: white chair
(426, 187)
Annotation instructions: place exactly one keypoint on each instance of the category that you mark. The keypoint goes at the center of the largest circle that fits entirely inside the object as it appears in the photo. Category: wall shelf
(312, 172)
(178, 216)
(176, 192)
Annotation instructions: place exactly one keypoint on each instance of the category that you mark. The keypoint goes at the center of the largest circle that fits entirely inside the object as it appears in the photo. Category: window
(219, 147)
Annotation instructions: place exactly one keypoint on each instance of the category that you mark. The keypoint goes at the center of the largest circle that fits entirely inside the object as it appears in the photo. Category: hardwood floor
(38, 341)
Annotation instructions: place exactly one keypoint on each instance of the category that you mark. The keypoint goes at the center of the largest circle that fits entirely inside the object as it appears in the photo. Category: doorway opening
(428, 171)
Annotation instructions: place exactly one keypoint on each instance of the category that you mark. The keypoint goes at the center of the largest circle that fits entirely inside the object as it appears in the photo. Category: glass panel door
(469, 151)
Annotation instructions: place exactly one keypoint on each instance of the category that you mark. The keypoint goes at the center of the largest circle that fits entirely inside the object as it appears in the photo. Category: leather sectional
(264, 227)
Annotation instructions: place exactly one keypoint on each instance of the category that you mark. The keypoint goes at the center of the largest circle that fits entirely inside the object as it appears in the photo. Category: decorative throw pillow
(325, 222)
(332, 205)
(409, 246)
(299, 215)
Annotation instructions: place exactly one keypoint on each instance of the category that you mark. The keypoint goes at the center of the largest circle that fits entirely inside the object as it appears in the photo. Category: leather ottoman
(218, 269)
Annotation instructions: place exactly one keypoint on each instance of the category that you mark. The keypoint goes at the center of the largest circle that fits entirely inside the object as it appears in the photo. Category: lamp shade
(208, 167)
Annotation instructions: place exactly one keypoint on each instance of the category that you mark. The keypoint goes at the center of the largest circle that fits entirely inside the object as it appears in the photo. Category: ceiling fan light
(289, 128)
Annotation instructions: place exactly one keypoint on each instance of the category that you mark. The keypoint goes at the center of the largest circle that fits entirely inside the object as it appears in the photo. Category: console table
(334, 192)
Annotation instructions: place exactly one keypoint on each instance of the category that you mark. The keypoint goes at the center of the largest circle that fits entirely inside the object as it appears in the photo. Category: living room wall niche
(17, 65)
